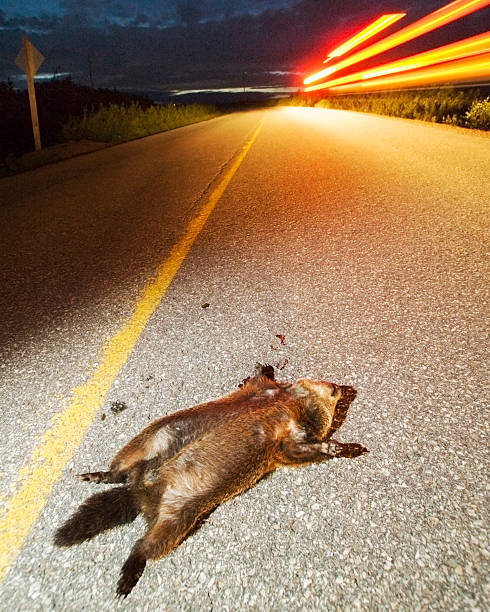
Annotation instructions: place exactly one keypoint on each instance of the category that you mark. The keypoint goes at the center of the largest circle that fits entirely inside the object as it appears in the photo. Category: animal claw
(96, 477)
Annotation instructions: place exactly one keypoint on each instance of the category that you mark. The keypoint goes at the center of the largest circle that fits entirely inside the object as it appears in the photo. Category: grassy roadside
(464, 108)
(117, 123)
(75, 119)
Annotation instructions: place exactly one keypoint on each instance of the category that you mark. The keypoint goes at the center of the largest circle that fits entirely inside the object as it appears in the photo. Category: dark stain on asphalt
(118, 406)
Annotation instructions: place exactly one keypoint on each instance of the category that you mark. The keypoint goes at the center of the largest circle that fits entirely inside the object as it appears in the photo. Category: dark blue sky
(158, 44)
(155, 11)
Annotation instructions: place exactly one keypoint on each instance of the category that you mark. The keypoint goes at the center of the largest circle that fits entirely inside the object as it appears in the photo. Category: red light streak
(458, 71)
(373, 28)
(462, 48)
(444, 15)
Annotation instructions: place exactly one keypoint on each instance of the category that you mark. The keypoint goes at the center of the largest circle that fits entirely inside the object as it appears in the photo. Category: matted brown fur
(183, 465)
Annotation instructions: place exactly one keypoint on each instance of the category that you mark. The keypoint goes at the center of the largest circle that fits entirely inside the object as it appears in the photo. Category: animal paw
(334, 448)
(130, 574)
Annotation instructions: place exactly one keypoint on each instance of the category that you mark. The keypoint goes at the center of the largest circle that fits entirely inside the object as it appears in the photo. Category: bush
(298, 100)
(479, 115)
(324, 103)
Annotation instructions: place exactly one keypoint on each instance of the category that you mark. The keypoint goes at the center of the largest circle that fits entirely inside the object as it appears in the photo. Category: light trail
(460, 49)
(368, 32)
(446, 14)
(458, 71)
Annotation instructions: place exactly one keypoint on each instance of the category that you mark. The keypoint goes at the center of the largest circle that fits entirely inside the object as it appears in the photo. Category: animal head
(318, 399)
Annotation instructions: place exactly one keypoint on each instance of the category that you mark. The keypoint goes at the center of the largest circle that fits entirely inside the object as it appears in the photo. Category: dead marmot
(179, 468)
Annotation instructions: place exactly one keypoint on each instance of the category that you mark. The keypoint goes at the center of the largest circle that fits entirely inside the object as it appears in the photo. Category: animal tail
(98, 513)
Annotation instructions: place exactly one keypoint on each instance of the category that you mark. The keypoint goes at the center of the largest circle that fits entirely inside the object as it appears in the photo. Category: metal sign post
(29, 59)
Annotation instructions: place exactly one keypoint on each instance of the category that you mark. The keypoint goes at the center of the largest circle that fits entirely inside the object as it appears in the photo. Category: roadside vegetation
(68, 111)
(57, 101)
(118, 122)
(465, 108)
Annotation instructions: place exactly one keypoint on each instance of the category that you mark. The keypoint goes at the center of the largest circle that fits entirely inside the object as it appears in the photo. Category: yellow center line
(58, 444)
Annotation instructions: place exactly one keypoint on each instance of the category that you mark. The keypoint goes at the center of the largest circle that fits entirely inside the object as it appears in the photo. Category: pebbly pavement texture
(347, 247)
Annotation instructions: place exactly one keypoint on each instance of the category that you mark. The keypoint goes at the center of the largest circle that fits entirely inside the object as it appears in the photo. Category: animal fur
(179, 468)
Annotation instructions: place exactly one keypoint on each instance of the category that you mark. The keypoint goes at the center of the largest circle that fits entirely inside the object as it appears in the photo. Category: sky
(172, 44)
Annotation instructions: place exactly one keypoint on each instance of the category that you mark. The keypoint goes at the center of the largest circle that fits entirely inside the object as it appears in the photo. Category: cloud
(145, 43)
(189, 12)
(98, 13)
(44, 23)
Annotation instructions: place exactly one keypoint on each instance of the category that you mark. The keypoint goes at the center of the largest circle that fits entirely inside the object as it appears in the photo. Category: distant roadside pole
(29, 59)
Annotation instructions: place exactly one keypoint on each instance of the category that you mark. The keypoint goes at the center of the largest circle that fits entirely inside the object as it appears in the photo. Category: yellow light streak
(464, 70)
(462, 48)
(373, 28)
(444, 15)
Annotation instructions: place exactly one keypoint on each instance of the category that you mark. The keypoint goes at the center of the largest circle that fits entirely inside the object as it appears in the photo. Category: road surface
(345, 247)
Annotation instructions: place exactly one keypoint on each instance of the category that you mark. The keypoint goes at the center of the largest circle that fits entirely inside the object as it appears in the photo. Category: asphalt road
(346, 247)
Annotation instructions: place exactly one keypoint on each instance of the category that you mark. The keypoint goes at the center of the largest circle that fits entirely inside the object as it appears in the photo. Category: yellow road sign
(36, 57)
